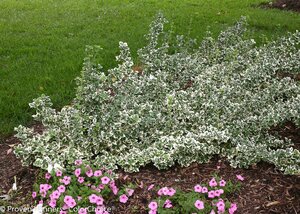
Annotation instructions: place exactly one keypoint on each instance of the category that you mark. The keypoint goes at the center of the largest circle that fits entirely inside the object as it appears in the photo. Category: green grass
(42, 41)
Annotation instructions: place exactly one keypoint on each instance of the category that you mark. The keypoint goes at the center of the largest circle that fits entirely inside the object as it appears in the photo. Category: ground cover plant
(186, 103)
(42, 42)
(84, 189)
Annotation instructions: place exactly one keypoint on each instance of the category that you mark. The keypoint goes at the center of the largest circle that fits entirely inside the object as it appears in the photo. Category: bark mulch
(264, 190)
(293, 5)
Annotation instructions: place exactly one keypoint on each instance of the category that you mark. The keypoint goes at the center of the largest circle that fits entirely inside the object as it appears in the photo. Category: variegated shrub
(186, 103)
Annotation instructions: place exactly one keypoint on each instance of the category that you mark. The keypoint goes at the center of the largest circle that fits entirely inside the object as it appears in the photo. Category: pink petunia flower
(204, 190)
(221, 206)
(153, 205)
(100, 201)
(52, 203)
(97, 173)
(152, 211)
(123, 198)
(77, 172)
(198, 188)
(213, 182)
(58, 173)
(62, 212)
(171, 191)
(199, 205)
(80, 180)
(33, 194)
(83, 210)
(211, 194)
(66, 180)
(240, 177)
(93, 198)
(217, 193)
(105, 180)
(222, 183)
(232, 209)
(89, 173)
(168, 204)
(61, 188)
(68, 199)
(55, 195)
(130, 192)
(47, 175)
(78, 162)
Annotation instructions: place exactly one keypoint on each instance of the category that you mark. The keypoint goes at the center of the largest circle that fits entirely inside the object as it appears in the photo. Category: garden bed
(264, 190)
(293, 5)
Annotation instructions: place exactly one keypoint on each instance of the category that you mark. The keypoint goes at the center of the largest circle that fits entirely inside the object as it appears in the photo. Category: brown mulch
(293, 5)
(264, 190)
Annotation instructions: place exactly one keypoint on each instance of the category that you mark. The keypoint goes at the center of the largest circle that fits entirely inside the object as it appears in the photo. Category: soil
(293, 5)
(264, 190)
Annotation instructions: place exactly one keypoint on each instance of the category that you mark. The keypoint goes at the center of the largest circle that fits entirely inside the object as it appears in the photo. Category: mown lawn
(42, 42)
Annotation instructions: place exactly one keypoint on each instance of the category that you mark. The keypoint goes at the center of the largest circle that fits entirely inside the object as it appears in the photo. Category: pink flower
(97, 173)
(78, 162)
(33, 194)
(232, 209)
(72, 203)
(89, 173)
(198, 188)
(123, 198)
(55, 194)
(213, 182)
(165, 190)
(82, 211)
(212, 212)
(222, 183)
(221, 206)
(47, 175)
(58, 173)
(93, 198)
(199, 205)
(153, 205)
(160, 192)
(150, 187)
(105, 180)
(80, 180)
(130, 192)
(77, 172)
(240, 177)
(79, 198)
(204, 190)
(66, 180)
(167, 204)
(69, 201)
(62, 212)
(61, 188)
(101, 186)
(217, 193)
(211, 194)
(52, 203)
(44, 188)
(99, 201)
(65, 207)
(171, 192)
(41, 202)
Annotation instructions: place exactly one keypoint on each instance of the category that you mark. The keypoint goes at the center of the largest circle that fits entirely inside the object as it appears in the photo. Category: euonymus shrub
(187, 103)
